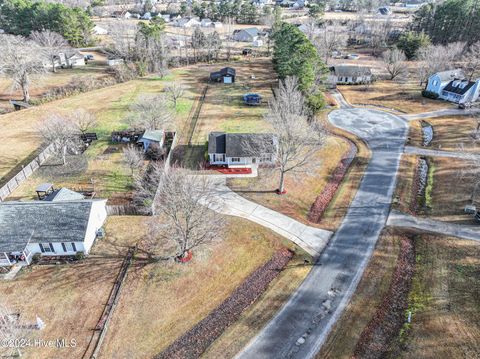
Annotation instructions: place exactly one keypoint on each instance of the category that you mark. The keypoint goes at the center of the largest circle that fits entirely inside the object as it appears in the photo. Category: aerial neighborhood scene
(249, 179)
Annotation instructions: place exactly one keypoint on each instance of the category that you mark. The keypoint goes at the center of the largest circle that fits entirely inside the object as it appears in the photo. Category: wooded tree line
(449, 21)
(243, 11)
(22, 17)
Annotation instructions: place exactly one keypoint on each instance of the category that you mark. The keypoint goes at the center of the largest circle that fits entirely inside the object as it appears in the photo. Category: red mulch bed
(385, 325)
(323, 200)
(195, 341)
(230, 171)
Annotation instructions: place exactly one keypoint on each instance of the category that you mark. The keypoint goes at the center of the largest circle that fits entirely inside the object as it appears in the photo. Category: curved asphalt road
(299, 329)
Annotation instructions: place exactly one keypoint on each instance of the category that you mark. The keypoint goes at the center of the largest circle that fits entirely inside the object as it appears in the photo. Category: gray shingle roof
(42, 221)
(351, 70)
(152, 135)
(241, 144)
(467, 85)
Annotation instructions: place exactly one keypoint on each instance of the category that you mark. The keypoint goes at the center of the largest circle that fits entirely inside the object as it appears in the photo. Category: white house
(217, 25)
(115, 62)
(72, 59)
(206, 23)
(453, 86)
(349, 75)
(98, 30)
(153, 137)
(241, 149)
(187, 22)
(245, 35)
(59, 227)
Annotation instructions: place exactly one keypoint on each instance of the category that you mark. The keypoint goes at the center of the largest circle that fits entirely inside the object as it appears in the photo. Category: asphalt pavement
(300, 328)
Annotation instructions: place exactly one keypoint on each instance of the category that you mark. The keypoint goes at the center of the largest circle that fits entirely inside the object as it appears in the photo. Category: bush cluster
(430, 94)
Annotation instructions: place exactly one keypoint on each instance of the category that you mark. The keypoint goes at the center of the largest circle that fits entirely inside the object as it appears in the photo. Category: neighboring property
(49, 228)
(154, 137)
(206, 23)
(98, 30)
(187, 22)
(246, 35)
(350, 75)
(453, 86)
(73, 59)
(241, 149)
(226, 75)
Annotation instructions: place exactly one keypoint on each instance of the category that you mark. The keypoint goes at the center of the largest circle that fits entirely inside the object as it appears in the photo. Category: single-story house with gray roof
(246, 35)
(49, 228)
(350, 75)
(241, 149)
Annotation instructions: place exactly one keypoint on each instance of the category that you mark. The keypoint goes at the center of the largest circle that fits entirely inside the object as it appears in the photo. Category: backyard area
(22, 140)
(70, 298)
(178, 296)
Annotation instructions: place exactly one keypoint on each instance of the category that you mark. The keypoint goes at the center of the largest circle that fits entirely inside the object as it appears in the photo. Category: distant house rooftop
(351, 70)
(153, 135)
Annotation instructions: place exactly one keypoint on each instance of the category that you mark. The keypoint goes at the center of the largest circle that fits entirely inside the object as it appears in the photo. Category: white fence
(25, 172)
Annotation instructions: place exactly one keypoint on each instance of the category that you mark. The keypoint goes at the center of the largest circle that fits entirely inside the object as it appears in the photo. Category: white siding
(98, 215)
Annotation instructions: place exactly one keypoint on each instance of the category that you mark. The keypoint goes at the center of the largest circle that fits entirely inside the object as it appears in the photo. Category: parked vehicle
(89, 57)
(464, 105)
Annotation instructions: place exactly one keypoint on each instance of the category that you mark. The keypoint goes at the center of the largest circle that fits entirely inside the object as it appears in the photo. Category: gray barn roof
(241, 144)
(42, 221)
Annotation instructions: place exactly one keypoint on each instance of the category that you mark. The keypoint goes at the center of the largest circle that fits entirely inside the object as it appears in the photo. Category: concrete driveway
(312, 240)
(302, 325)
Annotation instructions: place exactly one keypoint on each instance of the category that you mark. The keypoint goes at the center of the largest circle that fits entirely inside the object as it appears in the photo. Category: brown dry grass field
(70, 298)
(445, 301)
(21, 139)
(161, 301)
(42, 84)
(368, 295)
(449, 190)
(449, 133)
(404, 97)
(302, 188)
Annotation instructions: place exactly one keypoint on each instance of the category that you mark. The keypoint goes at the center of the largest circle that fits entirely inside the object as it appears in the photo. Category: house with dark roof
(453, 86)
(52, 227)
(246, 35)
(241, 149)
(350, 75)
(226, 75)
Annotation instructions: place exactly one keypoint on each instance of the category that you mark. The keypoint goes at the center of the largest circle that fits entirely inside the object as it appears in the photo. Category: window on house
(69, 247)
(46, 247)
(235, 159)
(435, 82)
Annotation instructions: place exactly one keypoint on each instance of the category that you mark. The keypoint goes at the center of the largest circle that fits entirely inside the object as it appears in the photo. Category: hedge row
(323, 200)
(389, 318)
(194, 342)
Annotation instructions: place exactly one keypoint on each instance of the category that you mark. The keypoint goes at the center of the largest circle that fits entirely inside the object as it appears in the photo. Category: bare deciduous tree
(20, 59)
(183, 201)
(175, 91)
(298, 139)
(133, 157)
(329, 39)
(11, 330)
(395, 64)
(83, 120)
(61, 131)
(435, 58)
(151, 113)
(472, 65)
(52, 44)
